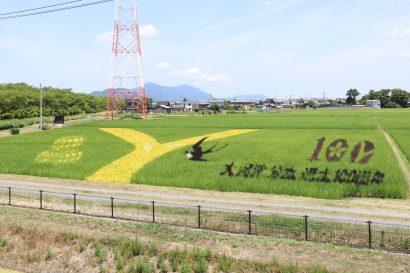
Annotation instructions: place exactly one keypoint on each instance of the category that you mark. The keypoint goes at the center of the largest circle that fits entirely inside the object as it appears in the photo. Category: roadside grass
(326, 230)
(117, 253)
(89, 244)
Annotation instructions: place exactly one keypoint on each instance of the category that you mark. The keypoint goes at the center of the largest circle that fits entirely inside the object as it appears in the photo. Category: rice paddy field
(316, 153)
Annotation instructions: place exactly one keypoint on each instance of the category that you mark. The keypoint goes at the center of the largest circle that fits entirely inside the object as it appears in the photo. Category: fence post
(199, 216)
(112, 207)
(306, 227)
(9, 196)
(370, 233)
(153, 211)
(41, 199)
(249, 222)
(75, 202)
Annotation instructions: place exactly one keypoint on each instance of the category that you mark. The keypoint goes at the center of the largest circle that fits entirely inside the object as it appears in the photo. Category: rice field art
(321, 154)
(146, 150)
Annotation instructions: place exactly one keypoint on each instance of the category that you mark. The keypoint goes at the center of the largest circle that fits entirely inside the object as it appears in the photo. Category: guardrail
(362, 234)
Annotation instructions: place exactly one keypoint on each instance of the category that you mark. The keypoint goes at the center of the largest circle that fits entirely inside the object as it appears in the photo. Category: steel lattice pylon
(126, 87)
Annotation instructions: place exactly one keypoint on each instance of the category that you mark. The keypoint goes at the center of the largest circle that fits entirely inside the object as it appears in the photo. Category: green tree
(227, 106)
(21, 100)
(383, 95)
(351, 96)
(392, 104)
(215, 108)
(399, 96)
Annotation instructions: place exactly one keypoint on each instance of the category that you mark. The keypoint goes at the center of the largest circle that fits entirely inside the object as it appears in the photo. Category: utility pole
(41, 107)
(126, 79)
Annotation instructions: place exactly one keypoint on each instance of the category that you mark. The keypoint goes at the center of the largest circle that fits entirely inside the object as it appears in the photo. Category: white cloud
(10, 43)
(106, 36)
(163, 66)
(145, 31)
(404, 54)
(399, 32)
(148, 31)
(194, 73)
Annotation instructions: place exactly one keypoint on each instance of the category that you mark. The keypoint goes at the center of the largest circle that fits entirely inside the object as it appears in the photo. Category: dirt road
(378, 210)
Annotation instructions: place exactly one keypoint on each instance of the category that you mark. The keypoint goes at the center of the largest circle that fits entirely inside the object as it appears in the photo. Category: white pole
(41, 107)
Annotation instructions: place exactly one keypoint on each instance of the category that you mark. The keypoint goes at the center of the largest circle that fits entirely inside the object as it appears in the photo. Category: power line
(44, 7)
(55, 10)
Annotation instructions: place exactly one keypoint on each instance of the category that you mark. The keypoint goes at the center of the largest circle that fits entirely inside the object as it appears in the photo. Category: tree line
(389, 98)
(20, 100)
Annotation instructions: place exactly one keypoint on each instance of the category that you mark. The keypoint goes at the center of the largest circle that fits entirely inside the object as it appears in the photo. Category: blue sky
(273, 47)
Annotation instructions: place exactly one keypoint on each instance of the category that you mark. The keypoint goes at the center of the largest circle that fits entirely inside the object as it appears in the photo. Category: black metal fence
(373, 235)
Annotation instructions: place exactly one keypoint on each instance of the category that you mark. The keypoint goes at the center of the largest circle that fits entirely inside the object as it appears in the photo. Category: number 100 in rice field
(336, 151)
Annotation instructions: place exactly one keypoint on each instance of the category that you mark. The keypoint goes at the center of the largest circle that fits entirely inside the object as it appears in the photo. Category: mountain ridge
(177, 93)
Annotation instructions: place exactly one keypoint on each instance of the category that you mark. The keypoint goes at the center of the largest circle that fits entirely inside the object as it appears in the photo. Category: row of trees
(389, 98)
(21, 100)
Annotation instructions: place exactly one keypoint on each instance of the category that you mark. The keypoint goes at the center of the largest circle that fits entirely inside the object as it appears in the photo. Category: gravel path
(361, 209)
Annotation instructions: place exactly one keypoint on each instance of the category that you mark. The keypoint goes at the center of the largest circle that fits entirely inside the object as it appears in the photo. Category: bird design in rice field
(197, 153)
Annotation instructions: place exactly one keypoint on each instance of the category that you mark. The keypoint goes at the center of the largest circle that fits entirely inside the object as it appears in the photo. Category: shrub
(185, 268)
(163, 268)
(319, 269)
(119, 262)
(48, 254)
(200, 267)
(14, 131)
(141, 266)
(160, 261)
(3, 242)
(132, 248)
(152, 250)
(225, 263)
(99, 253)
(290, 269)
(174, 257)
(17, 228)
(82, 245)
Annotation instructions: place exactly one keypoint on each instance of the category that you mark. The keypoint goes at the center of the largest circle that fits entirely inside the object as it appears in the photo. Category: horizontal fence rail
(361, 234)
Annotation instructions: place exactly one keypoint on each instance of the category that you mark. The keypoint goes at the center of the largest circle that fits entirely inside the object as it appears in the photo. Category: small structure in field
(59, 120)
(373, 104)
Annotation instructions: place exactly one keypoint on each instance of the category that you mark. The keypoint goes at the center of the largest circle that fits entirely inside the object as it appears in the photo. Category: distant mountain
(168, 93)
(177, 93)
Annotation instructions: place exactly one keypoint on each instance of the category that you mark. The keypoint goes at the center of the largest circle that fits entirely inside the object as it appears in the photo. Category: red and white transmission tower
(126, 87)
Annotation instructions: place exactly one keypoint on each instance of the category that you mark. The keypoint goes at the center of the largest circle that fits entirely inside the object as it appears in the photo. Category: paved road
(378, 210)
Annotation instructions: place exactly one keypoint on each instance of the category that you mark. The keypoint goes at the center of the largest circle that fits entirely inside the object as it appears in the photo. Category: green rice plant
(285, 140)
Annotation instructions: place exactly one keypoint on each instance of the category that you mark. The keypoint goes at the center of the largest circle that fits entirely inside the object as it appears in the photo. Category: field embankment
(37, 241)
